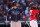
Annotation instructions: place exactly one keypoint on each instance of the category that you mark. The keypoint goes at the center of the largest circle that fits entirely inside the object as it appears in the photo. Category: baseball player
(15, 14)
(33, 15)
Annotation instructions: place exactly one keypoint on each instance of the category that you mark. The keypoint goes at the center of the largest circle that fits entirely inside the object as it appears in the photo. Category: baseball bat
(25, 20)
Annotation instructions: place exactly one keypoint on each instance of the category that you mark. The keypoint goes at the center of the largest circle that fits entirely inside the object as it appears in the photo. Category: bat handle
(27, 23)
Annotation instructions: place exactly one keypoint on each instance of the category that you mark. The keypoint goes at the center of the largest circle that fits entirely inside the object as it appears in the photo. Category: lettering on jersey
(15, 12)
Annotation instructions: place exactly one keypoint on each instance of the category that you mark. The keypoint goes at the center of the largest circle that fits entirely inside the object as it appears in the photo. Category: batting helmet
(31, 4)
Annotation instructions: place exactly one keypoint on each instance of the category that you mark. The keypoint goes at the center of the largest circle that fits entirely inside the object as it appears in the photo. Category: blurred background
(5, 6)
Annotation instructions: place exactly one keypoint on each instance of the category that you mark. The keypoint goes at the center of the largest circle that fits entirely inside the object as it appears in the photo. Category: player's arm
(22, 14)
(9, 15)
(23, 17)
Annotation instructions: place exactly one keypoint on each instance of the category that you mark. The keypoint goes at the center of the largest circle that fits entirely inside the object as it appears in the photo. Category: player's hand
(26, 22)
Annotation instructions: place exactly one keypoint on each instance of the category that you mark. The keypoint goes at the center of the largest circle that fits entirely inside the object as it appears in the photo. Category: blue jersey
(15, 14)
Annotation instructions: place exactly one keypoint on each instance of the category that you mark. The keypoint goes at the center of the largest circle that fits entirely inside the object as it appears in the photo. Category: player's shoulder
(37, 10)
(10, 9)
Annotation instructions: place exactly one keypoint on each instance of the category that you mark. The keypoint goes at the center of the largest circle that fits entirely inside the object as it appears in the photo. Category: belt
(33, 20)
(32, 15)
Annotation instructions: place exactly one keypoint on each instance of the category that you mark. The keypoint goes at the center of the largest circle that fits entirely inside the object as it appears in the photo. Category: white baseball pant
(33, 23)
(15, 24)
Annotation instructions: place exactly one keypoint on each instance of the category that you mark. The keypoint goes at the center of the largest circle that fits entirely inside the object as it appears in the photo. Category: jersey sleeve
(9, 12)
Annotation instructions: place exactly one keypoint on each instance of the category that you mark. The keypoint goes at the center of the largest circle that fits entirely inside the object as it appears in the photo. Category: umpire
(15, 14)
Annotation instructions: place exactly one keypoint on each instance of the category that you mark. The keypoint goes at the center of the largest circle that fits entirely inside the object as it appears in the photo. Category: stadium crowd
(5, 6)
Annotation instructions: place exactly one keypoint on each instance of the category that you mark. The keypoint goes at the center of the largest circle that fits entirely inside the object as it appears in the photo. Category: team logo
(15, 12)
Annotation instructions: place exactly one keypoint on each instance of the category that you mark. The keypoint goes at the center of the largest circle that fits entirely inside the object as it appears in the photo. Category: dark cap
(14, 3)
